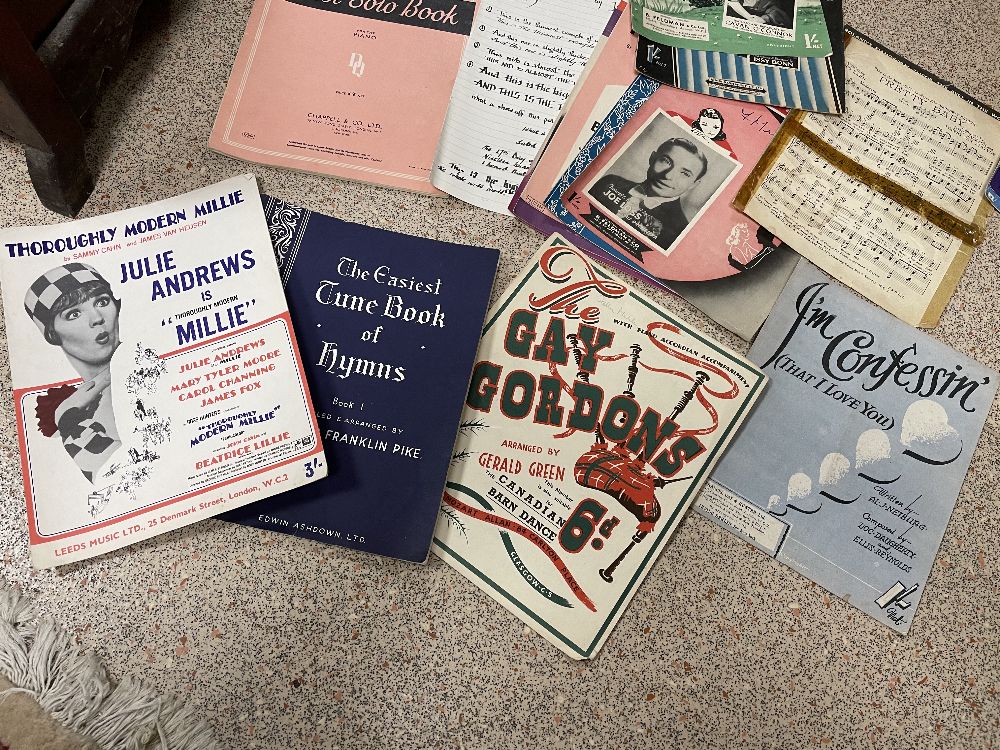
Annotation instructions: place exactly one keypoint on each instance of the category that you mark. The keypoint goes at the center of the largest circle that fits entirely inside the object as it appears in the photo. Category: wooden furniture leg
(35, 112)
(90, 39)
(45, 93)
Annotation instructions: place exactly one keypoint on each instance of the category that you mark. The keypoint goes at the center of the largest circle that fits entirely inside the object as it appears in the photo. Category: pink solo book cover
(357, 89)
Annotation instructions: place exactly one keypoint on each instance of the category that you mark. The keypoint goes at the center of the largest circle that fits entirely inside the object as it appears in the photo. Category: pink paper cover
(295, 98)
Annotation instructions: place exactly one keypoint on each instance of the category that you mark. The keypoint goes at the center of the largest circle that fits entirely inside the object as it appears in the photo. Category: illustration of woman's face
(710, 126)
(88, 330)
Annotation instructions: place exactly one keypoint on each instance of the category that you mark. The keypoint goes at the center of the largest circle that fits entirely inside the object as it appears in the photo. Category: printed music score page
(521, 61)
(887, 197)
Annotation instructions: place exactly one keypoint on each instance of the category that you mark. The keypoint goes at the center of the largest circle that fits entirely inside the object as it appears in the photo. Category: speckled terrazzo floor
(285, 643)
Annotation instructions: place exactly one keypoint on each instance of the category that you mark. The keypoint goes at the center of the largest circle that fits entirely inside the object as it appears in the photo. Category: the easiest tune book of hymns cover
(388, 326)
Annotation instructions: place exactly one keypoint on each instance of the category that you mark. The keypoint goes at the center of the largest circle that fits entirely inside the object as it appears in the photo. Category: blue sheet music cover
(388, 326)
(849, 467)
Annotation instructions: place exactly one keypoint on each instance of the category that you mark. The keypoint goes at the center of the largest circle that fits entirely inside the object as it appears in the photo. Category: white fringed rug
(54, 696)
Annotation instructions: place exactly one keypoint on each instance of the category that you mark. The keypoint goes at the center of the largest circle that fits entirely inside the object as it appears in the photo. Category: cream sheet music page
(521, 61)
(930, 141)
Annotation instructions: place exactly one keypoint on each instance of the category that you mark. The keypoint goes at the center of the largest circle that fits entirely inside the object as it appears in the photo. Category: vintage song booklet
(695, 243)
(388, 326)
(851, 464)
(814, 83)
(796, 28)
(592, 419)
(349, 89)
(888, 197)
(425, 95)
(156, 376)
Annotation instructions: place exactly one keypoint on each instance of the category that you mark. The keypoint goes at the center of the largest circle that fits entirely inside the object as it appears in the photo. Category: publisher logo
(896, 595)
(357, 64)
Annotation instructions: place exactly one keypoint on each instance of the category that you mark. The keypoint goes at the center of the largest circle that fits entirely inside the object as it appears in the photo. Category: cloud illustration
(834, 468)
(799, 486)
(800, 497)
(873, 446)
(927, 435)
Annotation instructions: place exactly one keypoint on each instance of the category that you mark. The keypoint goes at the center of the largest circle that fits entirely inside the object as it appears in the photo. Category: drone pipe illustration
(633, 370)
(581, 374)
(608, 573)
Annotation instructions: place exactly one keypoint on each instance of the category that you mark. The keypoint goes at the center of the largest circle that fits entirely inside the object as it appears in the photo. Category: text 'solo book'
(388, 326)
(591, 420)
(156, 376)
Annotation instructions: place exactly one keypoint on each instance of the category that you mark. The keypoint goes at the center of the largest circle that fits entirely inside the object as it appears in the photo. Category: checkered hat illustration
(52, 285)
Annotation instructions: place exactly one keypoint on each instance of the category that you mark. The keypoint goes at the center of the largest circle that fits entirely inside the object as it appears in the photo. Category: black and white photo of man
(653, 206)
(662, 180)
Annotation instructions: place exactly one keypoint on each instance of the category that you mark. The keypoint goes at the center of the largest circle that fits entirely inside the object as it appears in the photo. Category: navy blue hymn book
(388, 326)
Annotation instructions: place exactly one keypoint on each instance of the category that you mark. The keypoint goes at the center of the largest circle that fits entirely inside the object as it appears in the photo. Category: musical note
(846, 221)
(912, 139)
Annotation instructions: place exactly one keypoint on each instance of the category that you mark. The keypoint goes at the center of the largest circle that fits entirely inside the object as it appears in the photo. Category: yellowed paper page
(887, 197)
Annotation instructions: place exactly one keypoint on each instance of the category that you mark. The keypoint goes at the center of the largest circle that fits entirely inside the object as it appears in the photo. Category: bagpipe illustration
(616, 471)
